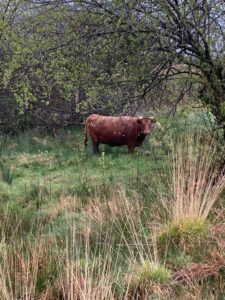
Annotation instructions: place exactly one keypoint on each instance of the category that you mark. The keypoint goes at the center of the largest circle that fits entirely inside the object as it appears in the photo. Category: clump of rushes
(189, 236)
(196, 184)
(148, 278)
(146, 272)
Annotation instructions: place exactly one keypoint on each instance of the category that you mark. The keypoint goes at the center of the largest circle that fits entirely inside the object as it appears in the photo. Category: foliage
(61, 60)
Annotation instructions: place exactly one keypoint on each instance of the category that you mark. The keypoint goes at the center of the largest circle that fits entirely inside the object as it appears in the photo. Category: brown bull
(117, 131)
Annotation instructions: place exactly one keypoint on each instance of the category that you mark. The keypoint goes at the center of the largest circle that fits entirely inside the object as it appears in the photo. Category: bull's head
(145, 125)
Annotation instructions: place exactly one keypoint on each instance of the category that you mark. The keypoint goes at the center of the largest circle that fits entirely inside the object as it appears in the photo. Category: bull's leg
(95, 143)
(85, 135)
(95, 146)
(130, 148)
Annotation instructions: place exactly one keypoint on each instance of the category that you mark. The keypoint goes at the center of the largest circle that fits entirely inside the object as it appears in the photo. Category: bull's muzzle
(146, 132)
(153, 119)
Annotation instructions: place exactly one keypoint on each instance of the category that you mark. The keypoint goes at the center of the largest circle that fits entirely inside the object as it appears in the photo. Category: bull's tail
(85, 134)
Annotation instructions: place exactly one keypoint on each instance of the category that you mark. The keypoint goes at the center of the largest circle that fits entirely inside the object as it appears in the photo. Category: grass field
(111, 226)
(57, 165)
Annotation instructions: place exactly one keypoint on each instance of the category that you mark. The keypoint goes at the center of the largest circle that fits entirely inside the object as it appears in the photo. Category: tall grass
(84, 272)
(109, 256)
(195, 185)
(196, 179)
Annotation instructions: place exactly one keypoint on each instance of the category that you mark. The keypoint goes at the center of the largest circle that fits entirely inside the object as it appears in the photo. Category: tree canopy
(108, 56)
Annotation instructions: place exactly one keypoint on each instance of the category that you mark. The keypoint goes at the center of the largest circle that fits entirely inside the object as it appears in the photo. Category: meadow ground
(111, 226)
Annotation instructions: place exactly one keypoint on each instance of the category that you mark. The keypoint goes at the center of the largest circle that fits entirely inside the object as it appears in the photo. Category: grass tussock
(196, 184)
(197, 180)
(190, 237)
(147, 273)
(149, 279)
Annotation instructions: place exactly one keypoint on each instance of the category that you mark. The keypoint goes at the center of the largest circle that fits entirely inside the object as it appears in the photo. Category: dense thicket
(61, 60)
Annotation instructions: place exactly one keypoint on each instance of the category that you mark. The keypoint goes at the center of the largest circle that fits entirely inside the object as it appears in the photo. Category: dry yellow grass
(196, 181)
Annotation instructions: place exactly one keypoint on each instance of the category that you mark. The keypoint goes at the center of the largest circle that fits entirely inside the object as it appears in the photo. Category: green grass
(43, 175)
(63, 166)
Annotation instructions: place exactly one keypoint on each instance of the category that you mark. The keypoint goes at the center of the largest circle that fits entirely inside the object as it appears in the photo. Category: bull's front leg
(95, 146)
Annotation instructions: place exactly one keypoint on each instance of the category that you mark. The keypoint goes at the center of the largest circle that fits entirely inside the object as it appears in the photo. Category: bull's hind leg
(95, 142)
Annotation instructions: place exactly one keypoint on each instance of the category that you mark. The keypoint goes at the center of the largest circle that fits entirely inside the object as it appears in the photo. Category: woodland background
(62, 60)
